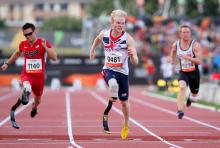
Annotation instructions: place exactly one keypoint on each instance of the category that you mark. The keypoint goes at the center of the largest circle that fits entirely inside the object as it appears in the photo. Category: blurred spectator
(150, 69)
(205, 67)
(216, 62)
(166, 68)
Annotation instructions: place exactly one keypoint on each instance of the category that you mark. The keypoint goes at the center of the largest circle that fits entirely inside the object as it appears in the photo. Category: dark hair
(27, 26)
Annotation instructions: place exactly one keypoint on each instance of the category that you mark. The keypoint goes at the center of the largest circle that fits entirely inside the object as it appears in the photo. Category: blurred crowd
(155, 36)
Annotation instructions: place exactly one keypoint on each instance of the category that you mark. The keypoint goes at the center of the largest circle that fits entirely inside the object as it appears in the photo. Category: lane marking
(140, 101)
(170, 99)
(16, 144)
(20, 109)
(16, 112)
(95, 95)
(69, 122)
(190, 132)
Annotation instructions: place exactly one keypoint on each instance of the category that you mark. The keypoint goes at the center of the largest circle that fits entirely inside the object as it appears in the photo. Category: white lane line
(16, 112)
(203, 133)
(161, 97)
(140, 101)
(9, 95)
(69, 122)
(134, 121)
(10, 144)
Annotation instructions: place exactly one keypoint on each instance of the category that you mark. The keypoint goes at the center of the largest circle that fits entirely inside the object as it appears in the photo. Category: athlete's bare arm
(50, 51)
(173, 53)
(96, 42)
(198, 53)
(11, 60)
(131, 50)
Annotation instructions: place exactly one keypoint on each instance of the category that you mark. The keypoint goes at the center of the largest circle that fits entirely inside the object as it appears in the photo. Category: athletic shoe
(189, 102)
(13, 122)
(124, 132)
(25, 97)
(180, 114)
(33, 112)
(105, 124)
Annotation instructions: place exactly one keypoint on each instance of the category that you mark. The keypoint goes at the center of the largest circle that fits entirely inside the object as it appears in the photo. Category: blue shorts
(122, 81)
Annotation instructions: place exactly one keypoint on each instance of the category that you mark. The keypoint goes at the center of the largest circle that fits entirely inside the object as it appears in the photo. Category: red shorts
(37, 83)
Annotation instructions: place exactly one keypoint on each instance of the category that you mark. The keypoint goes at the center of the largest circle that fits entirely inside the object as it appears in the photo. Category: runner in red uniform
(34, 50)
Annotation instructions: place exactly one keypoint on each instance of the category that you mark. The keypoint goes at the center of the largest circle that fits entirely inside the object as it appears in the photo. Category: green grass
(173, 95)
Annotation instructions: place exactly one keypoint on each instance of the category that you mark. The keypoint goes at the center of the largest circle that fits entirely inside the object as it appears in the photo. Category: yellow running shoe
(124, 132)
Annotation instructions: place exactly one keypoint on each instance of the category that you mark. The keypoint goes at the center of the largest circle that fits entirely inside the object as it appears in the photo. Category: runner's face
(185, 33)
(29, 34)
(118, 24)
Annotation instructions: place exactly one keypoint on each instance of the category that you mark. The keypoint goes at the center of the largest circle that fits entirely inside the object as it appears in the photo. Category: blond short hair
(184, 26)
(119, 13)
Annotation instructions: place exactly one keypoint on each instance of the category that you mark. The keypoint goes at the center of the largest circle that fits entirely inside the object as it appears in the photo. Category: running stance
(118, 48)
(188, 52)
(34, 50)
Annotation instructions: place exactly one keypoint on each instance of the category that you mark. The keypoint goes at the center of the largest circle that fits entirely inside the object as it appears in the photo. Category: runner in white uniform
(188, 52)
(116, 52)
(118, 48)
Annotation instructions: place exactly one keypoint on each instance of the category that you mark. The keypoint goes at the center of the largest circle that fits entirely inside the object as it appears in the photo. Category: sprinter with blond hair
(118, 48)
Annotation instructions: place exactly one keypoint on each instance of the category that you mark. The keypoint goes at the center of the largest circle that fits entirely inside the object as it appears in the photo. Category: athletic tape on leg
(113, 87)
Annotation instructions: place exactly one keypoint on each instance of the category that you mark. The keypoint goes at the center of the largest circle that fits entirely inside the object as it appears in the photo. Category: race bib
(114, 60)
(187, 66)
(33, 65)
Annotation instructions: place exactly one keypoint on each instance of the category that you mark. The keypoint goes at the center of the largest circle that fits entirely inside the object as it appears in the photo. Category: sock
(193, 98)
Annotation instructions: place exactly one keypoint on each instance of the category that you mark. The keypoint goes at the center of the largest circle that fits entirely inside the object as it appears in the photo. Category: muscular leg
(181, 95)
(126, 111)
(181, 98)
(37, 100)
